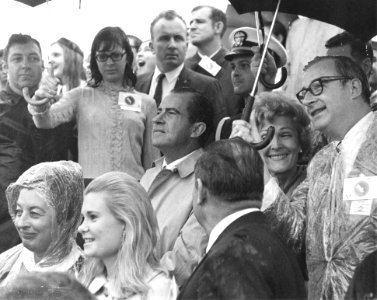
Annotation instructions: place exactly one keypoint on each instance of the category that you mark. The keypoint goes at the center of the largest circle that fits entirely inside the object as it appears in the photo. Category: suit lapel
(144, 82)
(183, 79)
(245, 220)
(192, 62)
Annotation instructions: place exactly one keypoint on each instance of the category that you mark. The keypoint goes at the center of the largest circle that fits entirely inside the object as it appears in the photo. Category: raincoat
(334, 210)
(62, 185)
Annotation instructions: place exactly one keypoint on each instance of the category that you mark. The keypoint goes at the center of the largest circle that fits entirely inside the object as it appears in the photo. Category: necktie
(158, 92)
(161, 177)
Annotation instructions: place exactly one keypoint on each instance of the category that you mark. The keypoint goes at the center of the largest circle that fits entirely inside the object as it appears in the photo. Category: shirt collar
(224, 223)
(68, 262)
(185, 165)
(170, 76)
(210, 56)
(353, 140)
(173, 165)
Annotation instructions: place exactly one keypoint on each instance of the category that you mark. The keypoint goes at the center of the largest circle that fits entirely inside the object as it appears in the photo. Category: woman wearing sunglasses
(114, 122)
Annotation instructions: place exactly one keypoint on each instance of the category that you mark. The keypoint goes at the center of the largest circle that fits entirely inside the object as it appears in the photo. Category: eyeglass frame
(110, 56)
(321, 80)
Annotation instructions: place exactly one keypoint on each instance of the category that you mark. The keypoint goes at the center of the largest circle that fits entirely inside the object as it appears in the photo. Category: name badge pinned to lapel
(361, 191)
(129, 101)
(209, 65)
(361, 207)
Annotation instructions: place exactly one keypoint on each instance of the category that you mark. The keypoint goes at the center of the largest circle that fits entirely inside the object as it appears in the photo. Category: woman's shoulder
(8, 259)
(10, 254)
(162, 286)
(78, 91)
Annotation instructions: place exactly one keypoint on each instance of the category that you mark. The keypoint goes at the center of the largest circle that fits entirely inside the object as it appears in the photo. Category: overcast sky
(58, 18)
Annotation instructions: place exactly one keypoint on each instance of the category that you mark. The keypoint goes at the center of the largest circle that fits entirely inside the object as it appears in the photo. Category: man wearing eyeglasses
(335, 209)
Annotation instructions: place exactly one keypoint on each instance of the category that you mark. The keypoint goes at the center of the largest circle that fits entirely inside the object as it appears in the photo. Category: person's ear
(151, 45)
(5, 66)
(356, 88)
(219, 27)
(202, 192)
(198, 129)
(366, 65)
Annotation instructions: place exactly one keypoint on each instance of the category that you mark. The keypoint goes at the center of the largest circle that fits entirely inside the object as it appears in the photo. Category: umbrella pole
(253, 91)
(249, 104)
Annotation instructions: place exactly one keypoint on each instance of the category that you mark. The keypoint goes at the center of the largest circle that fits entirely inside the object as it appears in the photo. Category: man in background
(207, 27)
(169, 42)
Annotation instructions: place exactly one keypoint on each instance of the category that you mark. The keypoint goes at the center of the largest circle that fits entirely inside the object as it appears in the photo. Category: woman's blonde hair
(129, 203)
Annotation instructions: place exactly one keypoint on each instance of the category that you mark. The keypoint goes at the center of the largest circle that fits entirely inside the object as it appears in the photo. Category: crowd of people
(137, 178)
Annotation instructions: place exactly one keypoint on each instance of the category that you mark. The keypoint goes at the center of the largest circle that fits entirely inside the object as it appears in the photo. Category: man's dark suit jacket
(233, 103)
(208, 86)
(247, 261)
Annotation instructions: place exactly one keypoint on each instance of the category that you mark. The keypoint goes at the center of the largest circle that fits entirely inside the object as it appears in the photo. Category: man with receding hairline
(181, 128)
(334, 210)
(169, 43)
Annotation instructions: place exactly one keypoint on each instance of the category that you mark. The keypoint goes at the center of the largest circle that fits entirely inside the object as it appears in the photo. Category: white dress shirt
(224, 223)
(168, 83)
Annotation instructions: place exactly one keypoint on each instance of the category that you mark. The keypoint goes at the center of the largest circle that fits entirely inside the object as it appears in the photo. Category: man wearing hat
(244, 58)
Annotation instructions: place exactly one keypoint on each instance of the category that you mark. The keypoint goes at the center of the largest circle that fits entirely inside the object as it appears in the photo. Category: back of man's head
(232, 171)
(20, 39)
(345, 66)
(199, 109)
(359, 49)
(217, 15)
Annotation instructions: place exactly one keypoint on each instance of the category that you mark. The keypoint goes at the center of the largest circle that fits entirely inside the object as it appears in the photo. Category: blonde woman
(120, 233)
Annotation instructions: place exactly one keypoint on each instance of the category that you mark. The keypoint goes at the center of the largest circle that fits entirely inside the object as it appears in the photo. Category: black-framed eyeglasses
(115, 56)
(316, 86)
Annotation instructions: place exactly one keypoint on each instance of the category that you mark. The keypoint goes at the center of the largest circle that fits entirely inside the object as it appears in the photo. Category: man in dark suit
(169, 42)
(207, 27)
(244, 259)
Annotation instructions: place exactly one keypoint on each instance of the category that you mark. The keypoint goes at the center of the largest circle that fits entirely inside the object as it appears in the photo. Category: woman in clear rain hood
(45, 205)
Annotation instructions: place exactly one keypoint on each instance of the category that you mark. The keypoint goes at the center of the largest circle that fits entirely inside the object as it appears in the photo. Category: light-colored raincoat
(62, 185)
(335, 216)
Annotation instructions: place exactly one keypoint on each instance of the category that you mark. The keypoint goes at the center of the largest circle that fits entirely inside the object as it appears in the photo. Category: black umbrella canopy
(32, 3)
(356, 16)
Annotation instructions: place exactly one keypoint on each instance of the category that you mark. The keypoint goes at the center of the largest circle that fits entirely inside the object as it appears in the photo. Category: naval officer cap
(244, 38)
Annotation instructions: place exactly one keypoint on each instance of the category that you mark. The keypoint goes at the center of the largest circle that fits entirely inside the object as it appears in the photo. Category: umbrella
(356, 16)
(32, 3)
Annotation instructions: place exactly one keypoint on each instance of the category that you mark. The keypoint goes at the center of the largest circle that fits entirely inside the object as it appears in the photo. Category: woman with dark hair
(114, 121)
(45, 204)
